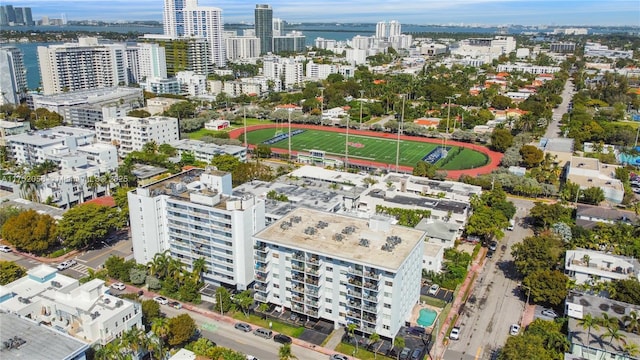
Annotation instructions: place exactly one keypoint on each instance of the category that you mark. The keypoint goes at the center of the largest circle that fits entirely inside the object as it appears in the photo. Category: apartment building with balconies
(193, 215)
(339, 268)
(129, 133)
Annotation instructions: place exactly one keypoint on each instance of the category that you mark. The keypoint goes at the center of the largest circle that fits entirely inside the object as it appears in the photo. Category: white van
(512, 224)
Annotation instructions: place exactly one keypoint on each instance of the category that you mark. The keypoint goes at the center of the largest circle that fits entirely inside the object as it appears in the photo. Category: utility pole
(399, 131)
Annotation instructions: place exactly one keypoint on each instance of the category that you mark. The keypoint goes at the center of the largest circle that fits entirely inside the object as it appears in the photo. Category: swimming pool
(427, 317)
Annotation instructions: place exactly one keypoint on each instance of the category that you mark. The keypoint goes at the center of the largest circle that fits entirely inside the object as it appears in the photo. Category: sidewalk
(465, 288)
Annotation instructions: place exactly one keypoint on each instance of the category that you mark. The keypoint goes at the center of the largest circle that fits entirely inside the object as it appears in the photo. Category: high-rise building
(146, 60)
(386, 30)
(181, 54)
(206, 22)
(173, 19)
(381, 30)
(194, 215)
(242, 47)
(264, 27)
(278, 27)
(394, 28)
(28, 18)
(86, 64)
(291, 42)
(13, 76)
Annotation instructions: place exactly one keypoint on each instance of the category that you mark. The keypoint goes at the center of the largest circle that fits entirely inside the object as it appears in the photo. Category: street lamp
(400, 125)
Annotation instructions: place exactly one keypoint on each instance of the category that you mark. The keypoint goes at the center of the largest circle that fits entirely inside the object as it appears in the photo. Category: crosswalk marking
(83, 269)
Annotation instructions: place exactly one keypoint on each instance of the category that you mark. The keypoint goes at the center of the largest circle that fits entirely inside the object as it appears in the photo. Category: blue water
(427, 317)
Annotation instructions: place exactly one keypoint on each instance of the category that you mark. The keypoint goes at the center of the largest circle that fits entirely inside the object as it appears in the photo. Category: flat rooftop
(40, 342)
(294, 231)
(142, 171)
(456, 207)
(206, 148)
(181, 185)
(50, 136)
(54, 212)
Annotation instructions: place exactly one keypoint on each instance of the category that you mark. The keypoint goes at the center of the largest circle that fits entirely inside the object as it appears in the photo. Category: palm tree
(106, 180)
(351, 328)
(608, 321)
(588, 322)
(374, 338)
(284, 352)
(631, 322)
(614, 333)
(159, 265)
(135, 340)
(399, 342)
(92, 183)
(199, 266)
(160, 327)
(630, 349)
(110, 351)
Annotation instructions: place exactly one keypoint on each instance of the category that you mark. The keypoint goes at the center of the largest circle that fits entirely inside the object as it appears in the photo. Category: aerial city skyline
(463, 12)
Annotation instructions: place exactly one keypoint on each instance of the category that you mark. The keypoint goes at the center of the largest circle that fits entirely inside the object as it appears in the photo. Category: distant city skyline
(456, 12)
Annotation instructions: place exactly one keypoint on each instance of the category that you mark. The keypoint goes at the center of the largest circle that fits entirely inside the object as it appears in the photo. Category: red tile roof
(103, 201)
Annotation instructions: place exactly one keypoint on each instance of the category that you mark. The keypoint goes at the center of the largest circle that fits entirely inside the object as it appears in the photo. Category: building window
(386, 327)
(329, 311)
(387, 306)
(329, 268)
(388, 283)
(329, 279)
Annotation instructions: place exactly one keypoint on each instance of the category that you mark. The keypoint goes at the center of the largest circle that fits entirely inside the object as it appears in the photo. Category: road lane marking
(478, 353)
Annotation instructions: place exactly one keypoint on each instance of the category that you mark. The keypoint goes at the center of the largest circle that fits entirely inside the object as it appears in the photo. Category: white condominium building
(34, 148)
(343, 269)
(82, 65)
(13, 76)
(206, 22)
(203, 151)
(193, 215)
(146, 60)
(242, 47)
(288, 69)
(84, 311)
(130, 133)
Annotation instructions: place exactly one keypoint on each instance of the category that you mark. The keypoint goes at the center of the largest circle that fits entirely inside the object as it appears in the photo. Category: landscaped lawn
(293, 331)
(367, 148)
(361, 354)
(198, 134)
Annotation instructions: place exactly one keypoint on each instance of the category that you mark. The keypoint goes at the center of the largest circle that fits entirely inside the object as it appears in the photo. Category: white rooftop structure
(588, 266)
(84, 311)
(331, 176)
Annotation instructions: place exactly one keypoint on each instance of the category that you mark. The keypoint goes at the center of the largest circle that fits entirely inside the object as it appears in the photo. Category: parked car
(175, 304)
(550, 313)
(514, 329)
(434, 289)
(404, 354)
(417, 353)
(455, 333)
(251, 357)
(282, 339)
(338, 357)
(490, 254)
(493, 245)
(263, 333)
(66, 264)
(243, 327)
(161, 300)
(5, 248)
(118, 286)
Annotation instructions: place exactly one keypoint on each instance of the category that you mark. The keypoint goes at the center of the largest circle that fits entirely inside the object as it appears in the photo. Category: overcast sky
(423, 12)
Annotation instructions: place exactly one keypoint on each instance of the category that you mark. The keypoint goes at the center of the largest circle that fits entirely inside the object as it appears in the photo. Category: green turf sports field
(368, 148)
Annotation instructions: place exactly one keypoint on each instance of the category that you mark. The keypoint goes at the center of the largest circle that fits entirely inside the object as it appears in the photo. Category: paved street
(495, 302)
(553, 130)
(225, 335)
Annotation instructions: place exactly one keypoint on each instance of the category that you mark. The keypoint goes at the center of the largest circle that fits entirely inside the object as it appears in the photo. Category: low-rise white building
(346, 270)
(34, 147)
(191, 83)
(161, 85)
(8, 128)
(590, 266)
(589, 172)
(528, 68)
(203, 151)
(131, 133)
(433, 258)
(85, 311)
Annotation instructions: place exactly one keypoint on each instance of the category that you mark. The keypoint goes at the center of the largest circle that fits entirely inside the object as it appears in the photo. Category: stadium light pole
(404, 96)
(290, 110)
(244, 113)
(444, 147)
(361, 96)
(346, 147)
(321, 101)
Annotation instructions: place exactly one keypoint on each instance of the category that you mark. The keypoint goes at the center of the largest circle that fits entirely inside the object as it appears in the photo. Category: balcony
(312, 303)
(354, 304)
(313, 260)
(355, 271)
(357, 294)
(260, 258)
(298, 256)
(368, 329)
(372, 275)
(371, 285)
(297, 299)
(298, 279)
(297, 268)
(311, 281)
(370, 298)
(259, 297)
(311, 291)
(370, 309)
(313, 313)
(297, 308)
(258, 287)
(298, 289)
(369, 319)
(355, 315)
(261, 248)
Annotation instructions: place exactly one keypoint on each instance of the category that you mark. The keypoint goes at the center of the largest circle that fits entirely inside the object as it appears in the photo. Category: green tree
(10, 272)
(501, 139)
(543, 215)
(501, 102)
(425, 169)
(531, 156)
(284, 353)
(139, 113)
(593, 195)
(30, 231)
(225, 162)
(87, 225)
(223, 300)
(588, 322)
(374, 338)
(161, 328)
(118, 268)
(137, 276)
(537, 253)
(627, 290)
(244, 300)
(487, 222)
(181, 329)
(7, 212)
(399, 342)
(263, 151)
(531, 345)
(547, 286)
(150, 311)
(181, 110)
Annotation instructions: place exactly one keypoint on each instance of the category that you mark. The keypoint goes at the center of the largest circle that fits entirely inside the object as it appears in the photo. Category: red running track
(494, 157)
